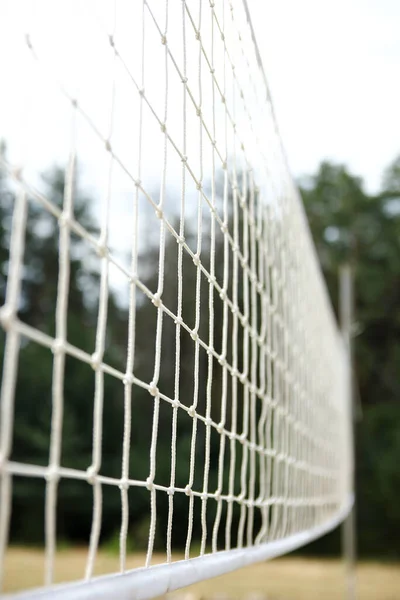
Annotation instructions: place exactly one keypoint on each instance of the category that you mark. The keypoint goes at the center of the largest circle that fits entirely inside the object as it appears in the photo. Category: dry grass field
(282, 579)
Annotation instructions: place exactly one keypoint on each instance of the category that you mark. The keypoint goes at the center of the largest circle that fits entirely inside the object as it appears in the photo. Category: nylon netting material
(162, 109)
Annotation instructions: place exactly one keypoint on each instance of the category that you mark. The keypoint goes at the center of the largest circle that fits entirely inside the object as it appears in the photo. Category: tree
(33, 397)
(350, 225)
(347, 224)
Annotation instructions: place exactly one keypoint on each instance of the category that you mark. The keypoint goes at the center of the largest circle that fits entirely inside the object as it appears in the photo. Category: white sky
(334, 73)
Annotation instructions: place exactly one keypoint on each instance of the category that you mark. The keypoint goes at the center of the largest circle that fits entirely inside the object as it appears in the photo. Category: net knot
(101, 250)
(222, 360)
(175, 403)
(220, 428)
(191, 411)
(123, 484)
(17, 173)
(188, 490)
(52, 475)
(64, 220)
(170, 491)
(242, 377)
(149, 483)
(156, 300)
(164, 40)
(7, 316)
(95, 361)
(91, 474)
(153, 389)
(128, 379)
(58, 346)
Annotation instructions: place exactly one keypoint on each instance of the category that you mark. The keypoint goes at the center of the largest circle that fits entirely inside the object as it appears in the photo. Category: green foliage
(347, 225)
(32, 419)
(350, 225)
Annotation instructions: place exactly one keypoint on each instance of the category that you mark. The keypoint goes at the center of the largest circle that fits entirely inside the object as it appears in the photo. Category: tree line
(348, 225)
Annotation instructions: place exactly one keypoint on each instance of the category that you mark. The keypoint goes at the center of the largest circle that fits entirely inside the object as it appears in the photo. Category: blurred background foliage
(347, 224)
(350, 225)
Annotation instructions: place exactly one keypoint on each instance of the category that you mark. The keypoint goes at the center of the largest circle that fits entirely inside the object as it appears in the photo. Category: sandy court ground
(282, 579)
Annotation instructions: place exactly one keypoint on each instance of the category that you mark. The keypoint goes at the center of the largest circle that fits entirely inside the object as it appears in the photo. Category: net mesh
(223, 366)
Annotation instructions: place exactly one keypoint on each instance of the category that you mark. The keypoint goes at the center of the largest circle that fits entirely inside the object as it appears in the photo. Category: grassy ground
(281, 579)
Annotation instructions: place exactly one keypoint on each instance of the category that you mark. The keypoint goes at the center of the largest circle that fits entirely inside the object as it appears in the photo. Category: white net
(172, 369)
